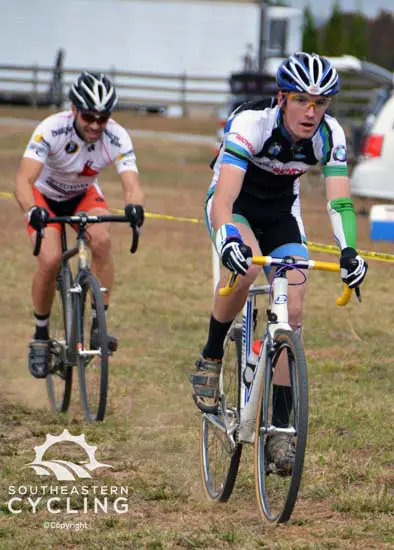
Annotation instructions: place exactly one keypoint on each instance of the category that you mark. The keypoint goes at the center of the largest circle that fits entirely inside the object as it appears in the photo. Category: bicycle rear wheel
(59, 379)
(92, 362)
(277, 492)
(220, 453)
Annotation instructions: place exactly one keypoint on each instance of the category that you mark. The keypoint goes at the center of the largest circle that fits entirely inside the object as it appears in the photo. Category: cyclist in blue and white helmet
(309, 73)
(253, 207)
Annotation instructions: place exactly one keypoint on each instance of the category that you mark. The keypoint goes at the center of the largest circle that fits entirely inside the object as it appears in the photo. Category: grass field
(159, 311)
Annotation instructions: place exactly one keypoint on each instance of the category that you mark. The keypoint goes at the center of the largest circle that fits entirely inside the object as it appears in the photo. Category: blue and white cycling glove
(235, 255)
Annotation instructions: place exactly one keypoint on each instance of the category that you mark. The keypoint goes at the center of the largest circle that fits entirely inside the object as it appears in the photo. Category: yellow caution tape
(314, 247)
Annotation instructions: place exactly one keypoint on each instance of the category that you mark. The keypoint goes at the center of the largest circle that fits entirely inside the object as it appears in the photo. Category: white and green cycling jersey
(256, 141)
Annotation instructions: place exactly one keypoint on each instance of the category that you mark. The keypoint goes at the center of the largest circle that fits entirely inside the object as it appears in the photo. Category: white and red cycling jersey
(70, 164)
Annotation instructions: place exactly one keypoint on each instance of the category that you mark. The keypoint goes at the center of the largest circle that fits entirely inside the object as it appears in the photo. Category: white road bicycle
(247, 397)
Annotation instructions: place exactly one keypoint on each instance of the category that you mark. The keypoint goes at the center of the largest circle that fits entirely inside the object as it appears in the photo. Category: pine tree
(334, 41)
(310, 37)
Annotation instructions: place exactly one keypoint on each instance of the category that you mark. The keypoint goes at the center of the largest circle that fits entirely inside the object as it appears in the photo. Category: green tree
(334, 41)
(310, 36)
(358, 35)
(381, 40)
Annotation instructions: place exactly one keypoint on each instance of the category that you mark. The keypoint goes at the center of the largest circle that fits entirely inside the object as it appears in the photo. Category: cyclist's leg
(43, 290)
(206, 377)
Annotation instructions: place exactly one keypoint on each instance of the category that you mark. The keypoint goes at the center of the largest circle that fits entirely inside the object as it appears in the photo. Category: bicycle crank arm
(89, 352)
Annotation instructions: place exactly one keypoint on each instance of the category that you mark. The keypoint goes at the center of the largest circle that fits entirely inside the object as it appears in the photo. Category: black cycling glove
(135, 214)
(37, 217)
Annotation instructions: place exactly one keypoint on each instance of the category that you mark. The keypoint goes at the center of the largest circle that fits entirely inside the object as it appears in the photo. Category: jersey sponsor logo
(245, 142)
(63, 130)
(88, 170)
(39, 144)
(66, 188)
(71, 147)
(38, 149)
(280, 169)
(340, 153)
(114, 140)
(274, 149)
(124, 156)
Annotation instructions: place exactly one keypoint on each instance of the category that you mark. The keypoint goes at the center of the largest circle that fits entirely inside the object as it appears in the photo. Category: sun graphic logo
(63, 469)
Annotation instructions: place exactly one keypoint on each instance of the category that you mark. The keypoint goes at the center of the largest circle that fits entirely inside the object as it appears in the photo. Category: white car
(373, 175)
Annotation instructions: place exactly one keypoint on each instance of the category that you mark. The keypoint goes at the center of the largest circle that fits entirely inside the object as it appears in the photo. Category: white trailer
(195, 37)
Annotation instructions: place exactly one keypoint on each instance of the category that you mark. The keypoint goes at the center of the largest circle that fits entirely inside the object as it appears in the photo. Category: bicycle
(246, 396)
(71, 319)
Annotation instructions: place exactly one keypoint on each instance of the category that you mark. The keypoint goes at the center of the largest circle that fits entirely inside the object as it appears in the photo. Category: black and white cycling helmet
(93, 92)
(309, 73)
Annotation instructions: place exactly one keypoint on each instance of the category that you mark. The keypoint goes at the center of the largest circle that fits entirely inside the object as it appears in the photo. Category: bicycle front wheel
(277, 490)
(220, 453)
(59, 379)
(92, 357)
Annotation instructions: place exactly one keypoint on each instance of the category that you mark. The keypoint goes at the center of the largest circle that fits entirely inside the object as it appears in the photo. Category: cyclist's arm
(226, 192)
(341, 211)
(28, 172)
(132, 189)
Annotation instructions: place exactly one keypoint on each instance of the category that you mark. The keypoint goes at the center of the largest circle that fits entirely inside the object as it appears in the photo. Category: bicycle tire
(92, 368)
(59, 379)
(213, 443)
(277, 494)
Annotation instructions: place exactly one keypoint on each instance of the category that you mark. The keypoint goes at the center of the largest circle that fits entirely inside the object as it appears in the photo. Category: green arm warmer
(343, 221)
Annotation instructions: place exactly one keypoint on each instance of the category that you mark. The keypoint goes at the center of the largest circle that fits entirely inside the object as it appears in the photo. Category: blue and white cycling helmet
(93, 92)
(309, 73)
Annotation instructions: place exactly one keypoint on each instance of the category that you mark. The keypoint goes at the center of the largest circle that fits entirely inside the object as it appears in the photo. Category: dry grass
(160, 311)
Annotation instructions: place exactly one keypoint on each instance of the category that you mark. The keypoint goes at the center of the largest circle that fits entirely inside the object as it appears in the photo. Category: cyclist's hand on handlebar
(37, 217)
(353, 267)
(236, 256)
(135, 214)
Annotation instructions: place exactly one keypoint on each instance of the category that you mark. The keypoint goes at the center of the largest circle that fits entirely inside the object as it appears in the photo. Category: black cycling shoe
(39, 358)
(94, 341)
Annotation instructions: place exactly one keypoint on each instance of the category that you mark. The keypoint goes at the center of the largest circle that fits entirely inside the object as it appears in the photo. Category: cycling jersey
(256, 141)
(70, 164)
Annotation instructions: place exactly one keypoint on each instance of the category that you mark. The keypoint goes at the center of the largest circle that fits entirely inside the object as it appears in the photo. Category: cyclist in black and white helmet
(253, 208)
(58, 176)
(93, 92)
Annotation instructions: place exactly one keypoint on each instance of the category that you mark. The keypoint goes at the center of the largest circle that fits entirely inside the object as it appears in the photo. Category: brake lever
(136, 235)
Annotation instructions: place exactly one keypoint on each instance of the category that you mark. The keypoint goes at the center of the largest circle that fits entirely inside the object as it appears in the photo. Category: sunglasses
(304, 102)
(92, 117)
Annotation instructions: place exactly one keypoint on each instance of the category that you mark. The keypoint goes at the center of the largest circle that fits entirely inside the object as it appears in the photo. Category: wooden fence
(36, 85)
